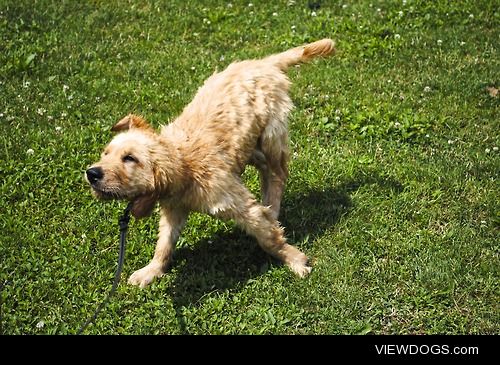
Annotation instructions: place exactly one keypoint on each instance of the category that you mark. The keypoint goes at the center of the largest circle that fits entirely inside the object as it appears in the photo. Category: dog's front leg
(171, 223)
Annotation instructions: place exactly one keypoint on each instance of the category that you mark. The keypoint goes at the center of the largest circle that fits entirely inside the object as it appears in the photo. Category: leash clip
(125, 218)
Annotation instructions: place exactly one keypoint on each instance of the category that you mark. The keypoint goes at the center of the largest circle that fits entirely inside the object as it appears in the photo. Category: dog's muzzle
(94, 174)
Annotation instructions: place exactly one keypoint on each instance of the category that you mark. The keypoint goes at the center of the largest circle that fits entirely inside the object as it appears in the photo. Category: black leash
(123, 223)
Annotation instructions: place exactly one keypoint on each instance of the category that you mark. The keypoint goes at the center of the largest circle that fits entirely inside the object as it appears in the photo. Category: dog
(238, 117)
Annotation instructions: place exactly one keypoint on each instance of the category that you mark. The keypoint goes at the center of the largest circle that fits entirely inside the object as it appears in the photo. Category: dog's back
(245, 106)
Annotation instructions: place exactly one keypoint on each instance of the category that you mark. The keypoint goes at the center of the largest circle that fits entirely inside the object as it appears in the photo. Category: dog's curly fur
(238, 117)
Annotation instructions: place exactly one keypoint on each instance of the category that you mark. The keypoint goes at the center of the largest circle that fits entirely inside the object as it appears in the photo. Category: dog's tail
(305, 53)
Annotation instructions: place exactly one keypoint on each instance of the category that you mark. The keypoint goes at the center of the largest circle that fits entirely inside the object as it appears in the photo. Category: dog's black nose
(94, 174)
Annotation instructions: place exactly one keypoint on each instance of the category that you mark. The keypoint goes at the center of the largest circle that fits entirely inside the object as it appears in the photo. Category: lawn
(394, 181)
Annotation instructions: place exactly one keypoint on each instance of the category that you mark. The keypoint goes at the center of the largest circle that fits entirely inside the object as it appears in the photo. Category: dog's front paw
(145, 276)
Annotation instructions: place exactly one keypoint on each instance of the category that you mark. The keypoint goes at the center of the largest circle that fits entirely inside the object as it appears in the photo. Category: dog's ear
(143, 206)
(131, 121)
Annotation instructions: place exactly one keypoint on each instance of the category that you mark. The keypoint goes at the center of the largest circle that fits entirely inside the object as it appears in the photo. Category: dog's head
(127, 168)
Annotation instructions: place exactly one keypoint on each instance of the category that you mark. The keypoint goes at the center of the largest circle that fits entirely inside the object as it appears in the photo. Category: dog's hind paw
(300, 267)
(145, 276)
(301, 270)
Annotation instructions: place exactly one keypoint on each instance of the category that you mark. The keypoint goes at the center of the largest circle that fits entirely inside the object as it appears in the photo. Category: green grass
(393, 188)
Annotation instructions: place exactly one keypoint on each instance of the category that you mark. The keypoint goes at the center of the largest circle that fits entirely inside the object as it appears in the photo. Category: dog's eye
(129, 158)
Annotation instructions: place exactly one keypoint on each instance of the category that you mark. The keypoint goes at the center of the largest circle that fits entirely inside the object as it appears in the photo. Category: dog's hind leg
(259, 222)
(171, 223)
(273, 175)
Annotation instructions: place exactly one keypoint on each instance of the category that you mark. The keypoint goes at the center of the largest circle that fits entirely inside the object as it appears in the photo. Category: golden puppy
(238, 117)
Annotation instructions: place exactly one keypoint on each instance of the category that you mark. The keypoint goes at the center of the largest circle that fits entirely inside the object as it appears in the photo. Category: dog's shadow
(230, 259)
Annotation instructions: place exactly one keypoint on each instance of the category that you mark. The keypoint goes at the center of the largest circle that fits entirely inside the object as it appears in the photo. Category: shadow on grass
(231, 259)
